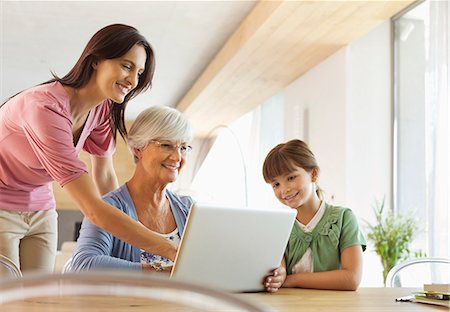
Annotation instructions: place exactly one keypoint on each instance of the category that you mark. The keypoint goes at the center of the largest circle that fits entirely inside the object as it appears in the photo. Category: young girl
(325, 248)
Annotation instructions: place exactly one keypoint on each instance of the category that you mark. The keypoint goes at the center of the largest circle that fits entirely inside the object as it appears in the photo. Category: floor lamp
(212, 134)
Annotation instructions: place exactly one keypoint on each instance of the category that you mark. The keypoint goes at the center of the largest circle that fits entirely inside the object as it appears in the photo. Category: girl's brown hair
(285, 157)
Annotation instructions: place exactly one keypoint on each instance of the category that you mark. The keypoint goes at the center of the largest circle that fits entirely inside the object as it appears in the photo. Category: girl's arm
(103, 174)
(114, 221)
(346, 278)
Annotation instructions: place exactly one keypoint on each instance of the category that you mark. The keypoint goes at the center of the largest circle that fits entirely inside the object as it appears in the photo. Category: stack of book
(438, 294)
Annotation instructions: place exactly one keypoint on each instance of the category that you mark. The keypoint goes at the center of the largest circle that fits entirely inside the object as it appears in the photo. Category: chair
(416, 272)
(10, 266)
(123, 290)
(63, 255)
(66, 266)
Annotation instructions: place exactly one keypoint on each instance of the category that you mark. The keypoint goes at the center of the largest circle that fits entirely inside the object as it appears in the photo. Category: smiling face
(296, 188)
(160, 163)
(116, 77)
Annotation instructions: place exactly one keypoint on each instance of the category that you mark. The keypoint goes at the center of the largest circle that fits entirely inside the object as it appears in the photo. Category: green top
(337, 230)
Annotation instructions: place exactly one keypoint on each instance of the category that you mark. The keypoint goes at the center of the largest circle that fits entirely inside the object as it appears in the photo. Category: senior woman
(159, 141)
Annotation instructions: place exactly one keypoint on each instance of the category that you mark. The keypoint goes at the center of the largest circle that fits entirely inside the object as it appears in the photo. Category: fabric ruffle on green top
(337, 230)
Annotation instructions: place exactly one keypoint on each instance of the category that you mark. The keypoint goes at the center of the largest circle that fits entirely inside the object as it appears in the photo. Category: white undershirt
(305, 264)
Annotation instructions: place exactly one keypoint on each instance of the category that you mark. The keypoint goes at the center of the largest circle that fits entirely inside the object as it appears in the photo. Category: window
(231, 173)
(421, 118)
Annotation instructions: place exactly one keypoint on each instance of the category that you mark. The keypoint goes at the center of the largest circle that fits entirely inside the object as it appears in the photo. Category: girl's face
(115, 78)
(296, 188)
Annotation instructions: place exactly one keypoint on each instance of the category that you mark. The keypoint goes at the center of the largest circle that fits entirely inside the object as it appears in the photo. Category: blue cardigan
(97, 249)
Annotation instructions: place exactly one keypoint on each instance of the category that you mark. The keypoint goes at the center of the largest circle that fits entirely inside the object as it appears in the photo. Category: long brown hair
(110, 42)
(285, 157)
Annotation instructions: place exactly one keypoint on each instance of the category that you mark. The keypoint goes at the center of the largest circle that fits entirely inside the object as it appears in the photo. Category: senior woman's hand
(146, 267)
(163, 247)
(172, 251)
(275, 280)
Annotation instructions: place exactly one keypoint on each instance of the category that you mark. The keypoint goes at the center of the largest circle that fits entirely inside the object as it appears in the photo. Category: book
(433, 295)
(440, 288)
(438, 294)
(425, 299)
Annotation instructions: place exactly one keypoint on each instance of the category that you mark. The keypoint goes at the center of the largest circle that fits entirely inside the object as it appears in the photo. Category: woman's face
(163, 159)
(115, 78)
(296, 188)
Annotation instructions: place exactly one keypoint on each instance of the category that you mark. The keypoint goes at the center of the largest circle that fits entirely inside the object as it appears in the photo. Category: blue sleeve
(97, 249)
(187, 203)
(180, 209)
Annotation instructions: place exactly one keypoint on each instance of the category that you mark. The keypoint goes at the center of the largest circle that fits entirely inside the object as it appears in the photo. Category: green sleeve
(350, 233)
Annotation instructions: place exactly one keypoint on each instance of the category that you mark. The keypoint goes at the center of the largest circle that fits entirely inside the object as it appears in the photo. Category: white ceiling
(39, 37)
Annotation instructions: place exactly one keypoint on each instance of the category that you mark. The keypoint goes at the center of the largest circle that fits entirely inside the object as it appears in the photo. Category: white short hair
(159, 122)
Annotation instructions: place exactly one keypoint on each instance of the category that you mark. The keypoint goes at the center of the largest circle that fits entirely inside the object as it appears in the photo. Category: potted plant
(391, 236)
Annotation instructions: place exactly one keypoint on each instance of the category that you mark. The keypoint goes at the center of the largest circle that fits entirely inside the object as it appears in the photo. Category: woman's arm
(95, 250)
(114, 221)
(346, 278)
(103, 174)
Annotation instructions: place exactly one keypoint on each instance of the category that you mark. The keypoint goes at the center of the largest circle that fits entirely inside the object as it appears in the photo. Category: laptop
(232, 249)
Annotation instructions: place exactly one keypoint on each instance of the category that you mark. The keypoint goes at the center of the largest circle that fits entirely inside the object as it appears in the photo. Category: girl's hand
(275, 280)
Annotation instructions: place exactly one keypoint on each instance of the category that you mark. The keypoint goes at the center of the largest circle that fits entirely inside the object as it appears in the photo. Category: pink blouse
(36, 146)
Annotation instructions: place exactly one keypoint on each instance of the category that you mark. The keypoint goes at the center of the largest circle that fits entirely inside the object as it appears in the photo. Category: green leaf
(391, 235)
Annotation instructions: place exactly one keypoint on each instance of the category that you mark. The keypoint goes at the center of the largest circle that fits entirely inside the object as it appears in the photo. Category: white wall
(320, 96)
(342, 108)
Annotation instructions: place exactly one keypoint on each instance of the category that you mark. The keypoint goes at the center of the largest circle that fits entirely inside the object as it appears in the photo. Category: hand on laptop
(147, 267)
(274, 281)
(166, 249)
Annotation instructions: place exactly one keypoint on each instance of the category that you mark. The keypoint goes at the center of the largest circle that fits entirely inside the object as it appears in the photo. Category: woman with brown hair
(44, 128)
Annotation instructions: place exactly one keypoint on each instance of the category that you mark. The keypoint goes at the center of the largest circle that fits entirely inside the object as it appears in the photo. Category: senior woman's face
(164, 159)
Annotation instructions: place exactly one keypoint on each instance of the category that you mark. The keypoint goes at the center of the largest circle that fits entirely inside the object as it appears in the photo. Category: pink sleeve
(48, 129)
(100, 141)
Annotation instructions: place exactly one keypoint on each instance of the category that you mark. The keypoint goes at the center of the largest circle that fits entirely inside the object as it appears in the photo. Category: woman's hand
(168, 250)
(275, 280)
(146, 267)
(114, 221)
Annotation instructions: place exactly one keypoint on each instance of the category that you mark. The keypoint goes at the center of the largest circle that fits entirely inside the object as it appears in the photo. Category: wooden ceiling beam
(275, 44)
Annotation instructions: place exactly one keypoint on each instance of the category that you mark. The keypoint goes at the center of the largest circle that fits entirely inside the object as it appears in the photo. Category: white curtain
(225, 168)
(437, 130)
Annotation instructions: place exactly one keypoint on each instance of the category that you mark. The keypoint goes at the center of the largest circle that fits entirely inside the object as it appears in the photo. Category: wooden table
(365, 299)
